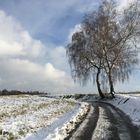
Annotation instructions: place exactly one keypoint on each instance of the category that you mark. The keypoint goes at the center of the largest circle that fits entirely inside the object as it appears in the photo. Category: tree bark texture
(111, 85)
(98, 84)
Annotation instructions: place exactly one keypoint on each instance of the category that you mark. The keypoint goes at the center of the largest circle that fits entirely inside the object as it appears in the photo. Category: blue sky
(48, 20)
(33, 38)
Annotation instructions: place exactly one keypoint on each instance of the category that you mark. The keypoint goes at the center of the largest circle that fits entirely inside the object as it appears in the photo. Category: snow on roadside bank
(130, 105)
(64, 131)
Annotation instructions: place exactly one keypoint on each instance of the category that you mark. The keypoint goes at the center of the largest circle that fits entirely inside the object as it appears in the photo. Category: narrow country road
(105, 122)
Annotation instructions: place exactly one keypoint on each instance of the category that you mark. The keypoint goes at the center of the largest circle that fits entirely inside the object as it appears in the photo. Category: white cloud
(57, 56)
(53, 73)
(15, 41)
(76, 28)
(7, 50)
(124, 3)
(22, 60)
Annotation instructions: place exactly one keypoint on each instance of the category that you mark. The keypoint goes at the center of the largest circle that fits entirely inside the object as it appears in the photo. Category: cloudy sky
(33, 37)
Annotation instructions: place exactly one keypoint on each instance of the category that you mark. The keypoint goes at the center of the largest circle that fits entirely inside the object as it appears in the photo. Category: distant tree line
(16, 92)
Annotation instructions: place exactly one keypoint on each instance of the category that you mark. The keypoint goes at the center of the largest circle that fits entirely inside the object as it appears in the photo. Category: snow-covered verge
(68, 127)
(129, 104)
(22, 115)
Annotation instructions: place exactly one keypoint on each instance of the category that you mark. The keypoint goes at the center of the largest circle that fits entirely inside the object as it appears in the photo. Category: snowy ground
(130, 104)
(24, 115)
(62, 132)
(40, 118)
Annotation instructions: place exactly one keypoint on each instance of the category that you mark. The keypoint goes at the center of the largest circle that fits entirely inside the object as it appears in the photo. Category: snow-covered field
(24, 115)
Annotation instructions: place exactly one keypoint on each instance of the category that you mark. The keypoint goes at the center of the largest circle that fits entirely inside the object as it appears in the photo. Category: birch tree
(85, 60)
(106, 44)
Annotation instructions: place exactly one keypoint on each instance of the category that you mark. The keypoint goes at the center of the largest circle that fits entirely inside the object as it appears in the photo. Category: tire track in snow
(84, 132)
(126, 130)
(106, 122)
(102, 128)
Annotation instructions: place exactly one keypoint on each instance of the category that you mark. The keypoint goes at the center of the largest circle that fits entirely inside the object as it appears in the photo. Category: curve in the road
(106, 122)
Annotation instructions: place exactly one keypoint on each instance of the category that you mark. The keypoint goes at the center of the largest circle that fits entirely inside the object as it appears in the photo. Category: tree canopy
(105, 48)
